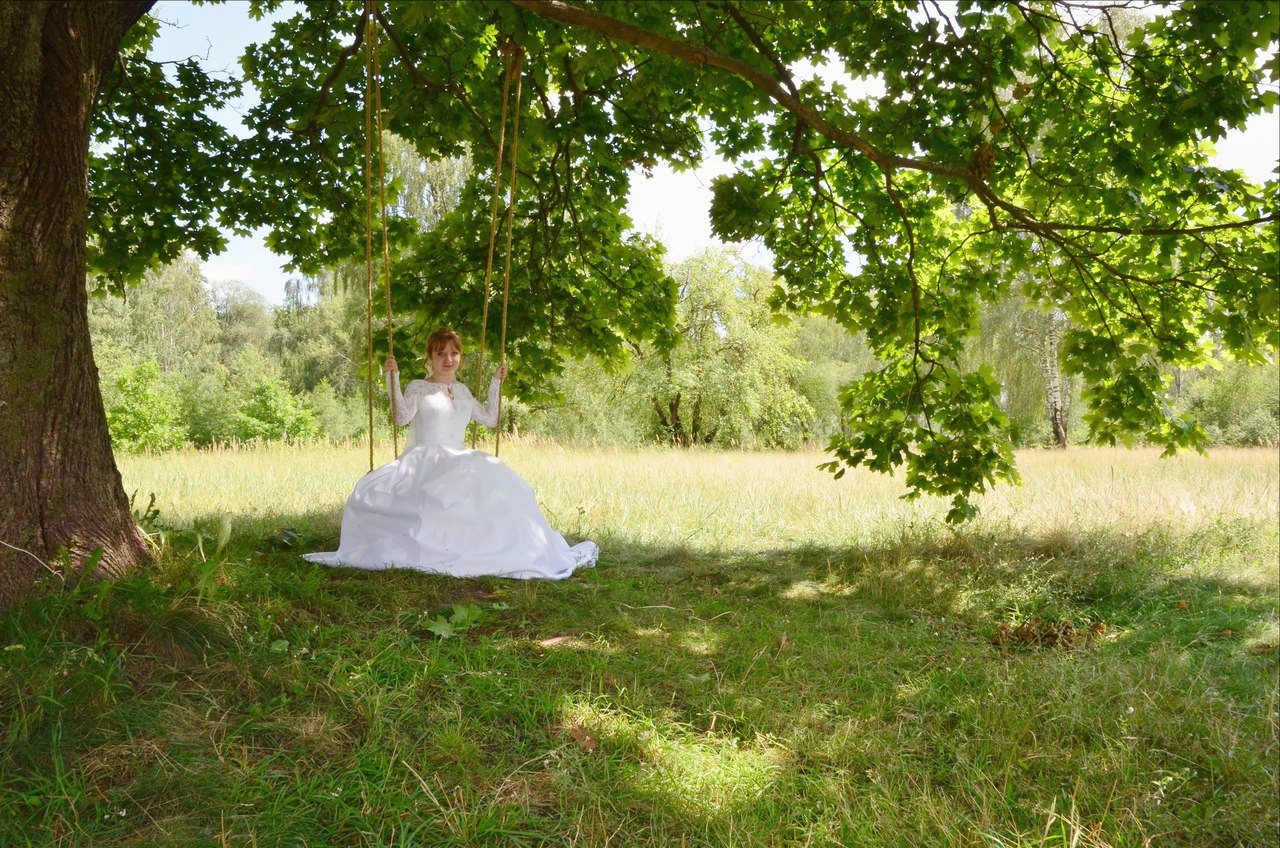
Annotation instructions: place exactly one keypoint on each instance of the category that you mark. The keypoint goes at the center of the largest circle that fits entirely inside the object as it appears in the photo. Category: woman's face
(445, 361)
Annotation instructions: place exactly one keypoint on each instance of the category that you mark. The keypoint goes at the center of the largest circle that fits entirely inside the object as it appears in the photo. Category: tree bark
(1054, 402)
(678, 435)
(61, 491)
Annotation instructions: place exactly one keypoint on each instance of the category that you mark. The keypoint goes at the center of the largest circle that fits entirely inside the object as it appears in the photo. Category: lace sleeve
(406, 404)
(487, 414)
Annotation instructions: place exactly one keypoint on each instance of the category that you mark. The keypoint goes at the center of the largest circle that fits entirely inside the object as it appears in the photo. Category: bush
(142, 409)
(1238, 405)
(338, 417)
(271, 412)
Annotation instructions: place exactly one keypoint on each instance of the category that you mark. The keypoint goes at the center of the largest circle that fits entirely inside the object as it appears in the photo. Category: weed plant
(763, 657)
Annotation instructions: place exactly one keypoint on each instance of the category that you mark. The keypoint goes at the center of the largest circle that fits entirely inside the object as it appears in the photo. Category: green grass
(763, 657)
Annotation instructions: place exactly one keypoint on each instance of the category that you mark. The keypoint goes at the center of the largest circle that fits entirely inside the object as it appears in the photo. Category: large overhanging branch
(621, 31)
(565, 13)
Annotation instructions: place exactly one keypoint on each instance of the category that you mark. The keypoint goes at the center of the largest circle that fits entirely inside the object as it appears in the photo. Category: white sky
(671, 206)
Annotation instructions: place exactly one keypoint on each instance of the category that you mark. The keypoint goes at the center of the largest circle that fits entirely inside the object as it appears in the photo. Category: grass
(763, 657)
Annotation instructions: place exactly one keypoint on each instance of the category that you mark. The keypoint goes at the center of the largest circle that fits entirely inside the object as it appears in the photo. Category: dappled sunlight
(807, 590)
(701, 642)
(1261, 637)
(703, 774)
(763, 649)
(594, 645)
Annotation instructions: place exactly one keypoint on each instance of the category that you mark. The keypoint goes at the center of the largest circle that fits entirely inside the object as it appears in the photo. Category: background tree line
(187, 362)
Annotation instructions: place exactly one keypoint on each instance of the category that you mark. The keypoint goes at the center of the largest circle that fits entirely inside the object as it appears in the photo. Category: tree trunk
(61, 489)
(678, 435)
(1054, 402)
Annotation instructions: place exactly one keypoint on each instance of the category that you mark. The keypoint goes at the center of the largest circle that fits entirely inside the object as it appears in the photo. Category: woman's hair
(441, 337)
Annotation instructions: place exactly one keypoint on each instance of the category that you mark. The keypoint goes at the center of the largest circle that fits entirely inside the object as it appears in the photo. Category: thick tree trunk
(59, 487)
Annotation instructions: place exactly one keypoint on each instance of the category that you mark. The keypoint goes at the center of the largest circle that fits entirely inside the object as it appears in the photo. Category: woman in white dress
(442, 508)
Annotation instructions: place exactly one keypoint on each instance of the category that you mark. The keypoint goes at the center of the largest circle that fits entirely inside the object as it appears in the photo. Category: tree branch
(616, 30)
(612, 28)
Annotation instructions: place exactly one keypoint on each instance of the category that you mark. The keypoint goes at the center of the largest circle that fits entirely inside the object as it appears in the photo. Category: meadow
(764, 656)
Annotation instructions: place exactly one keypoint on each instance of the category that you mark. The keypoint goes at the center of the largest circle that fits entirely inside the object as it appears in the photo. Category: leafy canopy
(947, 152)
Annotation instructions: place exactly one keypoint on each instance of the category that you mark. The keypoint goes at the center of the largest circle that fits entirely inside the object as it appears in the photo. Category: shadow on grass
(831, 696)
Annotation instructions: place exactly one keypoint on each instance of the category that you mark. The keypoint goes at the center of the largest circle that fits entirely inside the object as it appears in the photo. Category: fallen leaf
(583, 737)
(441, 628)
(1263, 648)
(1046, 633)
(1182, 605)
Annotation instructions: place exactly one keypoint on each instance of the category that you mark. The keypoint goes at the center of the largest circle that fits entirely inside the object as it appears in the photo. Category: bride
(441, 508)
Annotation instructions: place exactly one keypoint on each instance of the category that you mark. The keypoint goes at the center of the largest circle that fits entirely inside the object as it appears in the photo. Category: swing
(418, 512)
(373, 106)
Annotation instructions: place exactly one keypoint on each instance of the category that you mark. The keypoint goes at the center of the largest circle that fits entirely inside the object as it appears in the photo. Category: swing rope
(368, 209)
(515, 59)
(513, 62)
(372, 100)
(386, 250)
(372, 105)
(514, 70)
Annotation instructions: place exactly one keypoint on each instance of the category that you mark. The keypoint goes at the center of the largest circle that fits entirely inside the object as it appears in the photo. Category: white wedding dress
(444, 509)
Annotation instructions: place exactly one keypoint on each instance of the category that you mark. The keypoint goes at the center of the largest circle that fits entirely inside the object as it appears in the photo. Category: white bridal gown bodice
(441, 508)
(438, 413)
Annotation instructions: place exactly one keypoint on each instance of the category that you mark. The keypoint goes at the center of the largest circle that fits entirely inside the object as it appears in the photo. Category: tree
(318, 339)
(61, 488)
(244, 317)
(1051, 364)
(1083, 152)
(1022, 346)
(1238, 404)
(1079, 136)
(166, 317)
(731, 376)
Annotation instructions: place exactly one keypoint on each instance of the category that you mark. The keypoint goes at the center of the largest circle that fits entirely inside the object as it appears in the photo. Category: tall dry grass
(721, 500)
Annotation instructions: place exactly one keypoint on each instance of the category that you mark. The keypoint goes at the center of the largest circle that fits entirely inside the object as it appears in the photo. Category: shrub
(269, 411)
(142, 409)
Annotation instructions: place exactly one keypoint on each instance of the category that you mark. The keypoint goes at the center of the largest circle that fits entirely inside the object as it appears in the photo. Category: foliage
(142, 409)
(337, 416)
(269, 412)
(308, 381)
(832, 357)
(1011, 340)
(730, 378)
(735, 377)
(590, 402)
(185, 362)
(1059, 147)
(318, 334)
(167, 316)
(160, 164)
(1238, 404)
(244, 316)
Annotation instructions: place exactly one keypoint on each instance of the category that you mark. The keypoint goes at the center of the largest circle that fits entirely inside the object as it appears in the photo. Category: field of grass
(764, 656)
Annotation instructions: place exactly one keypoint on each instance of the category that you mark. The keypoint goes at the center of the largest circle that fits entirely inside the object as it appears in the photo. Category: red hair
(441, 337)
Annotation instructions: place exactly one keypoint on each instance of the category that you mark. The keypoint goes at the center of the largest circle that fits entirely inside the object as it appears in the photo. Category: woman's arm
(488, 414)
(405, 406)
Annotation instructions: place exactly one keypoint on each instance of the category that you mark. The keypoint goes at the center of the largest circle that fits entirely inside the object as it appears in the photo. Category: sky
(670, 206)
